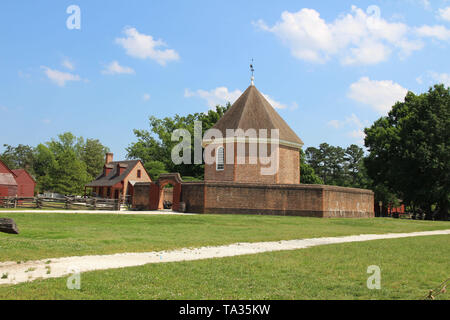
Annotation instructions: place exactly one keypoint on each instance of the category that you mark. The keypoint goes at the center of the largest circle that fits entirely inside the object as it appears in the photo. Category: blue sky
(329, 67)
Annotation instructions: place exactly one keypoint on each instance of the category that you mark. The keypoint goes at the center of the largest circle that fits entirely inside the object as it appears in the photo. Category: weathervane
(253, 71)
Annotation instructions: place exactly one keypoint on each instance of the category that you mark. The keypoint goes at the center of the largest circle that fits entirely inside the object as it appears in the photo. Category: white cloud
(68, 64)
(115, 68)
(214, 97)
(146, 97)
(380, 95)
(438, 32)
(426, 4)
(444, 13)
(142, 46)
(59, 77)
(335, 124)
(355, 38)
(222, 95)
(440, 77)
(354, 122)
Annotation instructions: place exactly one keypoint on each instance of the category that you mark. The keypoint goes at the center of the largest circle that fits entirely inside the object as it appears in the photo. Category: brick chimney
(109, 157)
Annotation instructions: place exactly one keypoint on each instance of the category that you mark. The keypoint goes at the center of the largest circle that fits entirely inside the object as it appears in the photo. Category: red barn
(8, 184)
(25, 183)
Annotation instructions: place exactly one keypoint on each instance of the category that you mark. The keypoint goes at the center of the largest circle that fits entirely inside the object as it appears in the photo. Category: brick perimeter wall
(193, 194)
(141, 196)
(348, 202)
(290, 200)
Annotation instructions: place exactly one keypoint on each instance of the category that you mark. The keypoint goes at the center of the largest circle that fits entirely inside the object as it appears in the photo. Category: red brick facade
(288, 167)
(277, 199)
(15, 182)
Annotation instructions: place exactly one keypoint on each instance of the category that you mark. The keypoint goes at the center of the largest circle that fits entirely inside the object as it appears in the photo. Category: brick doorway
(161, 193)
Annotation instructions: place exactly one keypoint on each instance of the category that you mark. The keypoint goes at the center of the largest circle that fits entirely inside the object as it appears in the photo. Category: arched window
(220, 159)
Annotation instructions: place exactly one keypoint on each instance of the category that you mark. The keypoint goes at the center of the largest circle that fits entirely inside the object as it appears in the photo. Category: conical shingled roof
(253, 111)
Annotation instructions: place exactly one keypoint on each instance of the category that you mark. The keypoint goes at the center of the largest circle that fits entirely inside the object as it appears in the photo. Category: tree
(68, 174)
(409, 151)
(307, 173)
(154, 147)
(354, 156)
(20, 157)
(44, 162)
(328, 162)
(338, 166)
(92, 153)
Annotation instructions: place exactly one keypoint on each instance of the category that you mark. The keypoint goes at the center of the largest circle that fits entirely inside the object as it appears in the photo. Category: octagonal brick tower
(253, 111)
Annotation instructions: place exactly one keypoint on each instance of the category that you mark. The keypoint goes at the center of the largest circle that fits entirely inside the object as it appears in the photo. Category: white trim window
(220, 159)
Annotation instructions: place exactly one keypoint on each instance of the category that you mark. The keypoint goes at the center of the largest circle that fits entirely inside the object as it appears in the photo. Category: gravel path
(59, 267)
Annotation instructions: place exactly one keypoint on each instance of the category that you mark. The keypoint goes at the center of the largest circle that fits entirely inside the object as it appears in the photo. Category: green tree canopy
(338, 166)
(20, 157)
(409, 151)
(64, 164)
(307, 173)
(154, 147)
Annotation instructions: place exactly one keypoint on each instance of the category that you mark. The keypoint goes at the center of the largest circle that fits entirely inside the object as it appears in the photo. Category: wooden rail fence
(66, 203)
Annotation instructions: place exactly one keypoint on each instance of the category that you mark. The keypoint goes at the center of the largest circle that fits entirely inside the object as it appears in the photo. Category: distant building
(252, 112)
(8, 184)
(16, 182)
(118, 178)
(25, 183)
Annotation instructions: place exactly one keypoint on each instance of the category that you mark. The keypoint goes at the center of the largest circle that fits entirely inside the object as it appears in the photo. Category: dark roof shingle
(113, 177)
(253, 111)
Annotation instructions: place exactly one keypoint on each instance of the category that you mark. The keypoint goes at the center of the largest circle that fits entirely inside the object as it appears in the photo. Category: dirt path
(59, 267)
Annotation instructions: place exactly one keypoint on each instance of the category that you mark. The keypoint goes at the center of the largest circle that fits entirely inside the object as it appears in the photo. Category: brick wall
(141, 195)
(288, 171)
(168, 194)
(274, 199)
(193, 194)
(348, 202)
(277, 199)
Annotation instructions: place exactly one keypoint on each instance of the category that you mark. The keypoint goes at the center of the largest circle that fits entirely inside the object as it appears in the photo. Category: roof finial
(252, 70)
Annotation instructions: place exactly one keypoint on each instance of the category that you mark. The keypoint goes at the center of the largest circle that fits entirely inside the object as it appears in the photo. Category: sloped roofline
(14, 175)
(252, 109)
(26, 171)
(103, 181)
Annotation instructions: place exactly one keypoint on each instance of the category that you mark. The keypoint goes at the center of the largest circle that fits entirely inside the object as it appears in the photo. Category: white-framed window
(220, 159)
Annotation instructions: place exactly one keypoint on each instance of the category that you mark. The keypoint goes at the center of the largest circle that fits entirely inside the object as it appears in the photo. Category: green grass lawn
(410, 267)
(52, 235)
